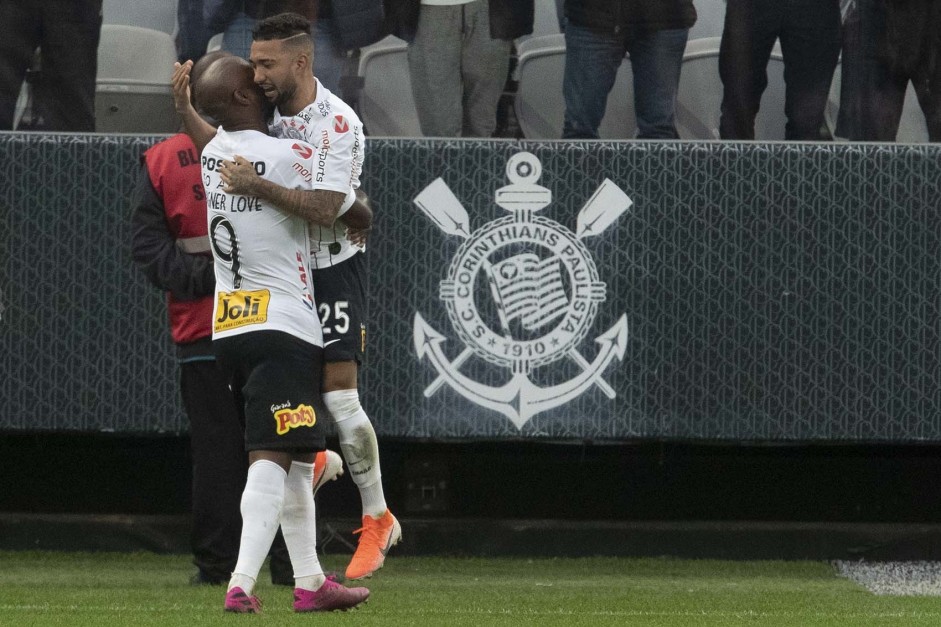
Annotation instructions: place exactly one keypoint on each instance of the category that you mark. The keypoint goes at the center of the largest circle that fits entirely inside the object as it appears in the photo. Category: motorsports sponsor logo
(522, 293)
(293, 417)
(304, 151)
(322, 153)
(340, 125)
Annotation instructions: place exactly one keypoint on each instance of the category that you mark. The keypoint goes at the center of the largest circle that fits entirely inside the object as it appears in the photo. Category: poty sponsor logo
(304, 152)
(292, 418)
(340, 125)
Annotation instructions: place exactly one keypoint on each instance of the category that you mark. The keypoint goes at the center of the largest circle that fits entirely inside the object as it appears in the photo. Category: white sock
(262, 500)
(298, 524)
(360, 448)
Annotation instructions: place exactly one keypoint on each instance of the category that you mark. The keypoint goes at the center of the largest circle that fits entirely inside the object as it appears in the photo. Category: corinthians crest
(522, 293)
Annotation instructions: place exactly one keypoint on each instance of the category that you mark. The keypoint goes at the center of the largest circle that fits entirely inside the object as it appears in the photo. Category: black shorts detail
(340, 294)
(276, 381)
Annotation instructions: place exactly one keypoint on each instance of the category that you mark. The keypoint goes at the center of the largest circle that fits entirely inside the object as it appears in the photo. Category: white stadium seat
(386, 104)
(133, 93)
(215, 42)
(700, 94)
(540, 107)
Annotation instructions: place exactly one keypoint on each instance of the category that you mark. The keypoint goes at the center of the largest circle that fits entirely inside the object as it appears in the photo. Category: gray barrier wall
(593, 291)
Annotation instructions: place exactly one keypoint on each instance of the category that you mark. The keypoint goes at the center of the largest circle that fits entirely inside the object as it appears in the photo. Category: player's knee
(342, 404)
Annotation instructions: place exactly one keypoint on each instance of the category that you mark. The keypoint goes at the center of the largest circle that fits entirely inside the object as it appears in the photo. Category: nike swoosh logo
(326, 344)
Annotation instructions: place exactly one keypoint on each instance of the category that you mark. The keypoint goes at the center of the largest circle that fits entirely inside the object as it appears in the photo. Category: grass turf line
(111, 589)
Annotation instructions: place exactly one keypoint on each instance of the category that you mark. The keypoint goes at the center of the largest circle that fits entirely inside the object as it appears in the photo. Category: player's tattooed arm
(318, 206)
(199, 130)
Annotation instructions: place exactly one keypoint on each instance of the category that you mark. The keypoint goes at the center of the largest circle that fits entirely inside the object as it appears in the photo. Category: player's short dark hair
(281, 26)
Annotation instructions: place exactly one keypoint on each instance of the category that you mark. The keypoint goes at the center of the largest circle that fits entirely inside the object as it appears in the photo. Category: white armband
(347, 202)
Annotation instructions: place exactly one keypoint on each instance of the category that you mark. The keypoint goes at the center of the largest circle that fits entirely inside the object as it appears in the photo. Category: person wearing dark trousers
(598, 34)
(809, 31)
(886, 45)
(192, 32)
(458, 59)
(67, 32)
(170, 244)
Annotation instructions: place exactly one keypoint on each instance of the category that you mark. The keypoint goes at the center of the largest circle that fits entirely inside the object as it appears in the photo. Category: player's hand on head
(239, 176)
(180, 81)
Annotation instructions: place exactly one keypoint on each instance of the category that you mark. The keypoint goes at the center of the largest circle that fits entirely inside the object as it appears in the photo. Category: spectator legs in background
(656, 59)
(237, 37)
(751, 28)
(68, 33)
(192, 33)
(872, 97)
(929, 97)
(591, 66)
(810, 44)
(485, 63)
(458, 71)
(20, 29)
(810, 35)
(329, 61)
(71, 30)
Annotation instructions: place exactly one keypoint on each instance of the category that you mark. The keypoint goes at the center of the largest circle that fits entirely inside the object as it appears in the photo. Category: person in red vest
(170, 244)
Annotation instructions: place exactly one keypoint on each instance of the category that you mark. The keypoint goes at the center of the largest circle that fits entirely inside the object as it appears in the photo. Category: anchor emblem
(522, 293)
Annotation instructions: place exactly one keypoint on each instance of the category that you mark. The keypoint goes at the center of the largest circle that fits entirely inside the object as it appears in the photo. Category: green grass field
(108, 589)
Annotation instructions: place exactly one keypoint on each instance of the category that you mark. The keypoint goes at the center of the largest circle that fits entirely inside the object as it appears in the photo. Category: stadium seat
(699, 98)
(133, 93)
(215, 42)
(539, 105)
(912, 127)
(22, 110)
(386, 105)
(159, 15)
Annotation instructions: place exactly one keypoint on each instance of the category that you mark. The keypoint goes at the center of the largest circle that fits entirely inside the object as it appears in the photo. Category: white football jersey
(261, 254)
(336, 133)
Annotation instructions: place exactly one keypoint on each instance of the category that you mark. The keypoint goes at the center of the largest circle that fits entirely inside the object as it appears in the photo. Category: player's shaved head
(227, 92)
(202, 64)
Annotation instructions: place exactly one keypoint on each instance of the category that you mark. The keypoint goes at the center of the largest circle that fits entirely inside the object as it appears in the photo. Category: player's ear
(242, 97)
(304, 60)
